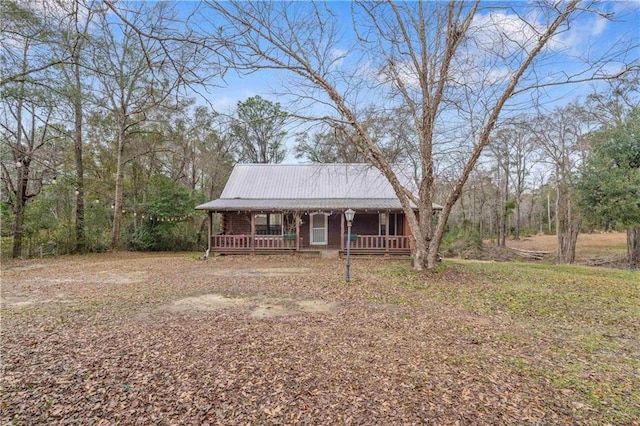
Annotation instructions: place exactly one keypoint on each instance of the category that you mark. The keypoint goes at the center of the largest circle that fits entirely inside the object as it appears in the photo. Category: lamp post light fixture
(349, 214)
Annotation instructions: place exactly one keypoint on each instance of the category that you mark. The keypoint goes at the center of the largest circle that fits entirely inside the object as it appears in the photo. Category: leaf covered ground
(169, 339)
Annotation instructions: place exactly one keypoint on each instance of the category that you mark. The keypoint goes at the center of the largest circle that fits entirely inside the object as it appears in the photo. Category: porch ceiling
(225, 204)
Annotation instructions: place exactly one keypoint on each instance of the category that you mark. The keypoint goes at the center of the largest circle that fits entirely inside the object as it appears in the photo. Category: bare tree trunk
(21, 201)
(549, 209)
(117, 213)
(633, 248)
(77, 142)
(419, 254)
(516, 231)
(422, 238)
(504, 211)
(567, 226)
(23, 177)
(433, 256)
(500, 216)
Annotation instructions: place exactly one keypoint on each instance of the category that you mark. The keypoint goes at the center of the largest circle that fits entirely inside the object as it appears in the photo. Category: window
(269, 224)
(394, 224)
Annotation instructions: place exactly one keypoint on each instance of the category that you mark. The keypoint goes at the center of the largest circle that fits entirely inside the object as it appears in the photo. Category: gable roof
(307, 187)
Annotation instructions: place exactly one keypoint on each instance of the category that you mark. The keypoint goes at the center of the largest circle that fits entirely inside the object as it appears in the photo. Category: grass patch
(580, 323)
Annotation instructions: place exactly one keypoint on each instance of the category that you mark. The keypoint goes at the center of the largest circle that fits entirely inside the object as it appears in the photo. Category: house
(295, 207)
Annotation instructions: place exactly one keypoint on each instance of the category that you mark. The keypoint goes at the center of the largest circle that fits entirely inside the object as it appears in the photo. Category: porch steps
(330, 254)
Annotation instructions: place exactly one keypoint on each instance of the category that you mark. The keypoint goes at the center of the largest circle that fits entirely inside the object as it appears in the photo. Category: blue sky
(590, 35)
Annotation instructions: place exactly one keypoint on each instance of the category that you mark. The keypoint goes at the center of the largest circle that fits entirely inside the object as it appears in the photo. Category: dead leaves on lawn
(255, 340)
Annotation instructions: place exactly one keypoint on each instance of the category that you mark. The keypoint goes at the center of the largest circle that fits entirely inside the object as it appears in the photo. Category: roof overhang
(235, 204)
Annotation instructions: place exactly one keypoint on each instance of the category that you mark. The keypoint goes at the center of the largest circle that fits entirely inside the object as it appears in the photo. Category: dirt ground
(134, 338)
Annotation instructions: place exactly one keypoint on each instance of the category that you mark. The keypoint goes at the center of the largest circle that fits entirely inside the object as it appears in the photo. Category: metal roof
(307, 186)
(285, 181)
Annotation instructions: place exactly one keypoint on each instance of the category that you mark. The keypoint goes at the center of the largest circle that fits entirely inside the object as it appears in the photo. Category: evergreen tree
(609, 187)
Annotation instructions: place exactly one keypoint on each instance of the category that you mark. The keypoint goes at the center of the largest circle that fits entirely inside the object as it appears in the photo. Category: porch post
(210, 228)
(386, 232)
(253, 231)
(297, 219)
(342, 232)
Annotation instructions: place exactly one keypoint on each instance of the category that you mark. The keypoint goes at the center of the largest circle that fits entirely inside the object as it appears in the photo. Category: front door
(318, 229)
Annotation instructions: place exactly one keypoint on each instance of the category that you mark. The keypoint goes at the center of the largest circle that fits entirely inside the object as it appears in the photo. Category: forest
(110, 137)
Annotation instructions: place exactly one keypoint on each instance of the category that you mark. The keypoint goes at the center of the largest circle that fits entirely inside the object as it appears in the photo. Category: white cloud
(504, 33)
(337, 57)
(580, 34)
(599, 26)
(496, 45)
(508, 33)
(225, 104)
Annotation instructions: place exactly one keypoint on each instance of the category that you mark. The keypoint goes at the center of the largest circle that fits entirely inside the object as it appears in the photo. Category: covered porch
(372, 232)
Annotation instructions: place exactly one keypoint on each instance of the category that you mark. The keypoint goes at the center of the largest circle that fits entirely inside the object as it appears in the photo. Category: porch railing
(273, 242)
(379, 242)
(230, 242)
(246, 243)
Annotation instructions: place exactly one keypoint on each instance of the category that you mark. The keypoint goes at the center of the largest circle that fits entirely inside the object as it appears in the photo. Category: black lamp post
(349, 214)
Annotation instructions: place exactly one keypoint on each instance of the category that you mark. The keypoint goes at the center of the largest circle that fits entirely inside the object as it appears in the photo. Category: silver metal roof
(307, 181)
(307, 186)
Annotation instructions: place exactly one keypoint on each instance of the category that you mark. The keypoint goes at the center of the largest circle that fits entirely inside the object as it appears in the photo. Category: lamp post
(349, 214)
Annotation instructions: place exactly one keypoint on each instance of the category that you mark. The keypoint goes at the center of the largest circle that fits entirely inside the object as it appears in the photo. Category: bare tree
(500, 152)
(331, 142)
(29, 134)
(73, 41)
(513, 149)
(522, 152)
(22, 19)
(27, 105)
(560, 134)
(454, 68)
(132, 82)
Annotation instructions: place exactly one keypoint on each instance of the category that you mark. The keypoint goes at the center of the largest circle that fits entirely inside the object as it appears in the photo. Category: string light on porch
(349, 215)
(167, 218)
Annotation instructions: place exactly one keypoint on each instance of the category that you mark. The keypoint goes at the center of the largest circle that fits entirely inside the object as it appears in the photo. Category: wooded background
(108, 141)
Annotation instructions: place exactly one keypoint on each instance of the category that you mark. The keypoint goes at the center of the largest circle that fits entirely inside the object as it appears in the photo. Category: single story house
(296, 207)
